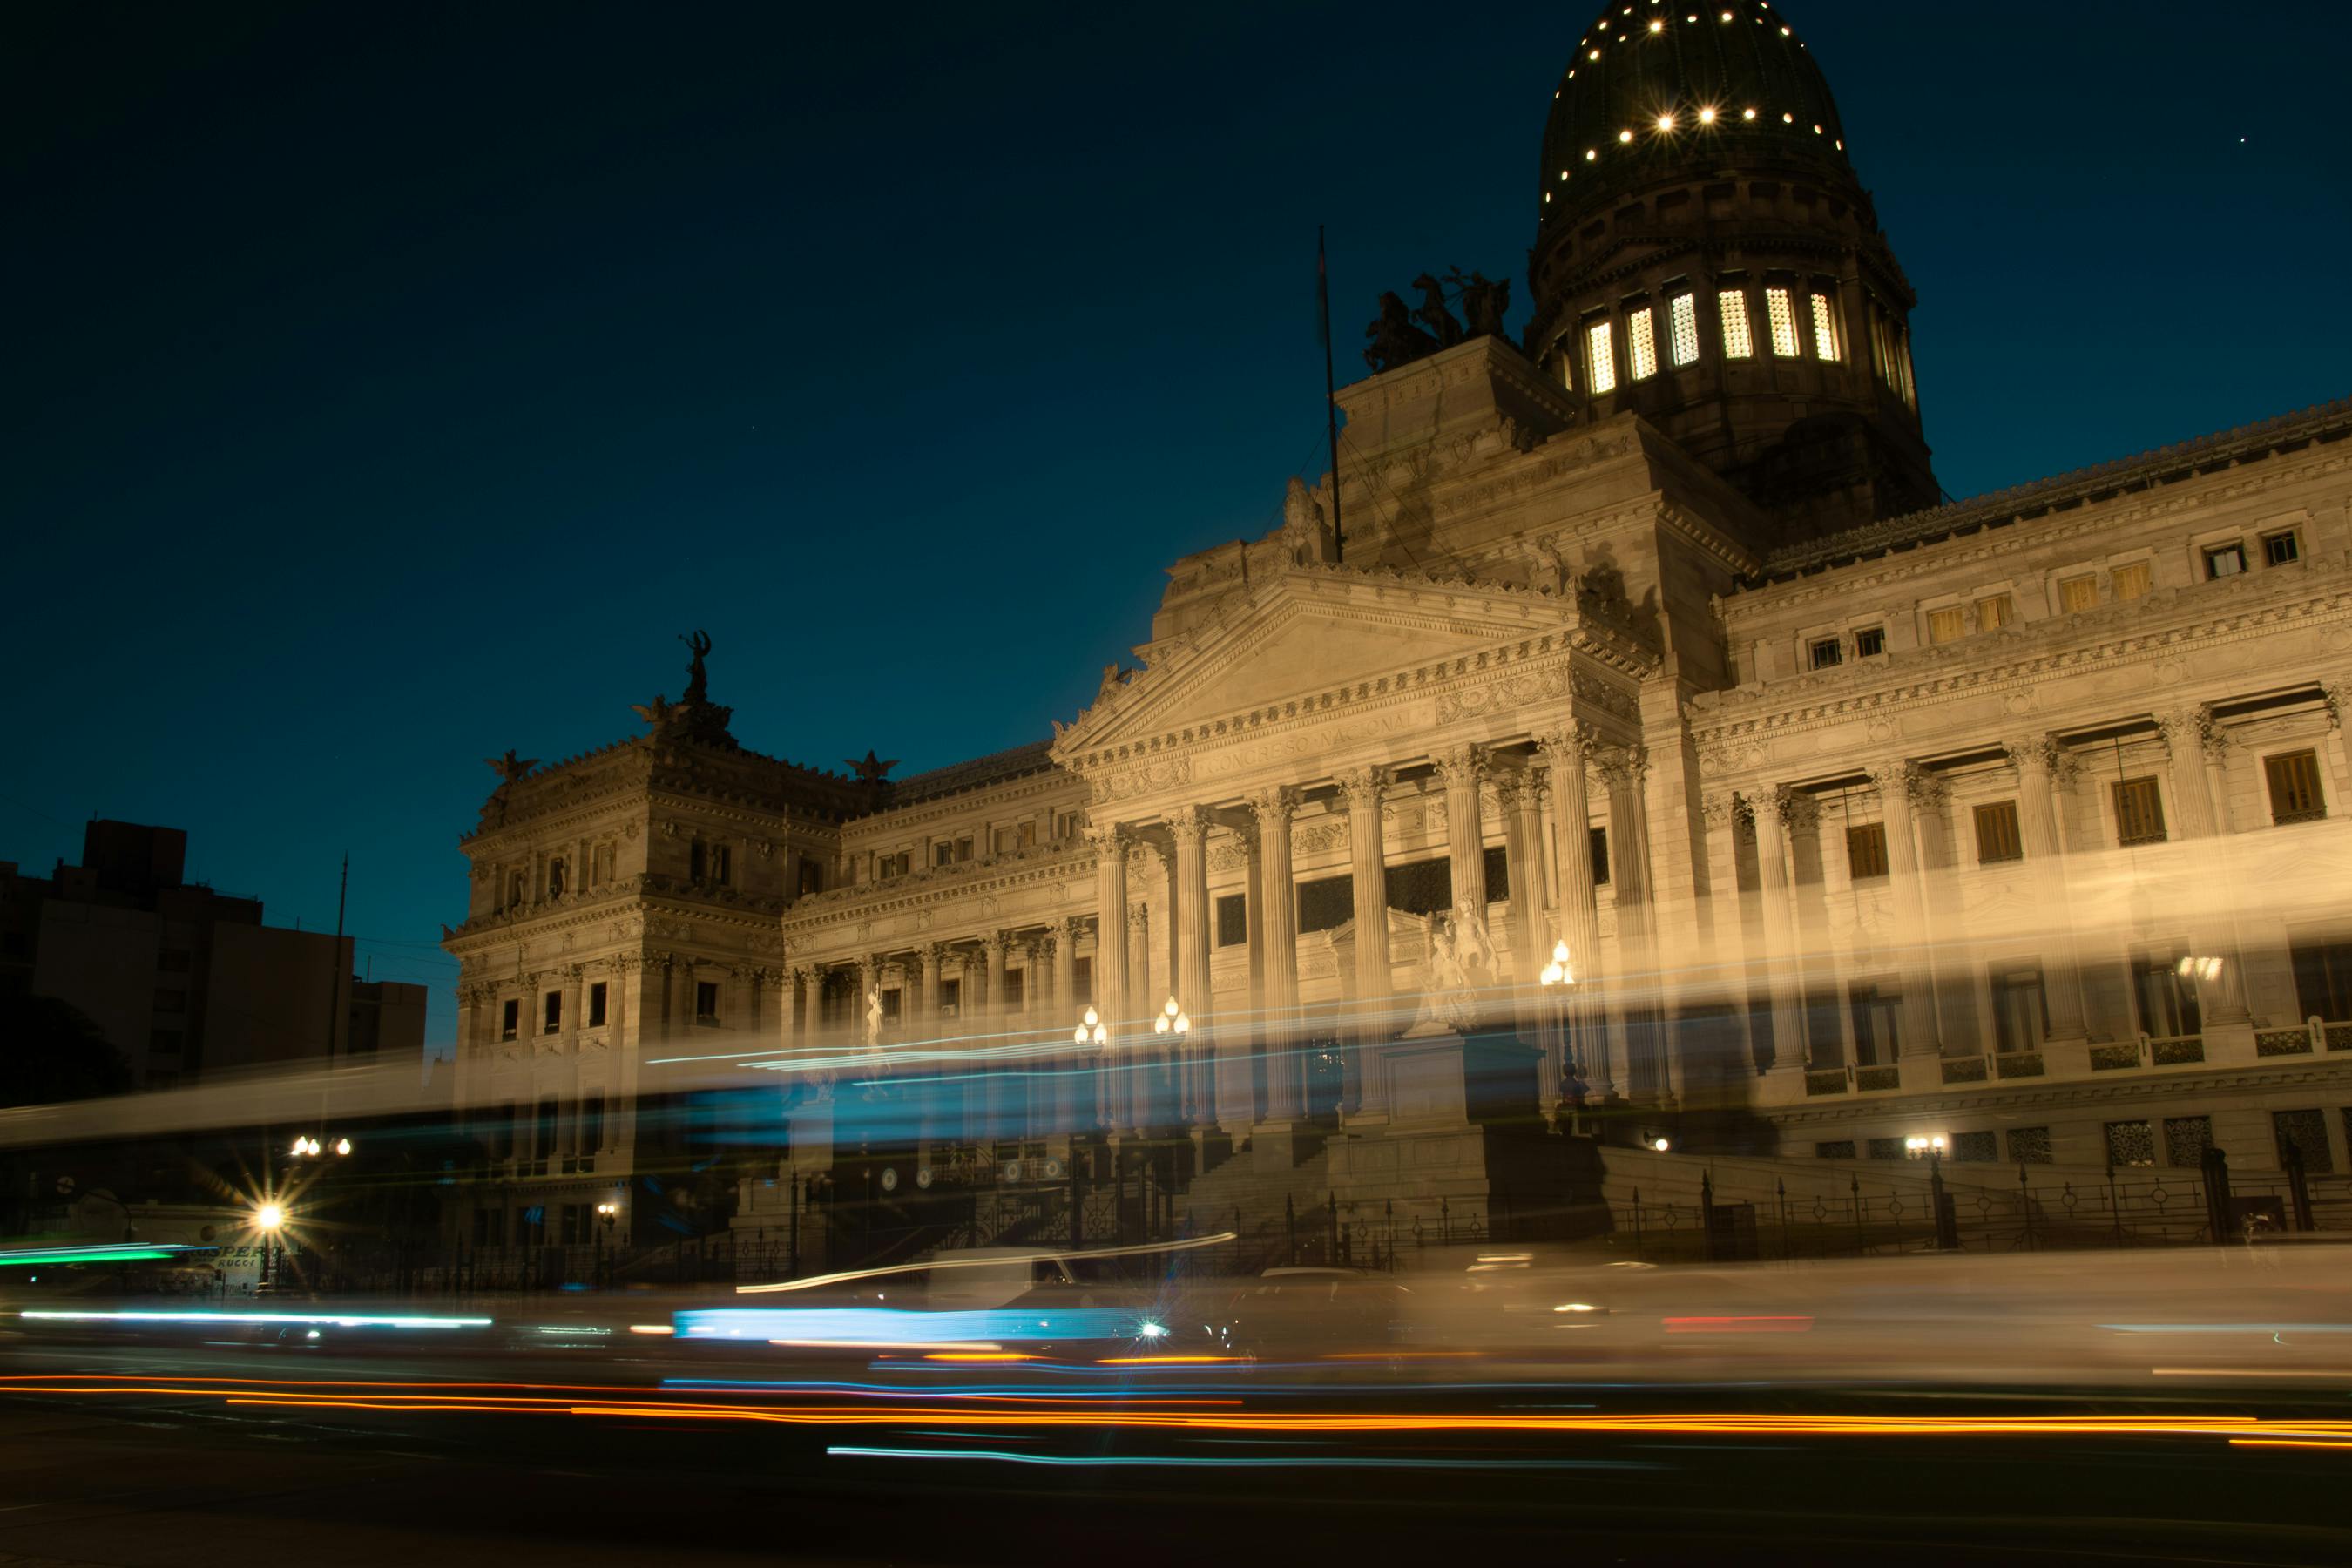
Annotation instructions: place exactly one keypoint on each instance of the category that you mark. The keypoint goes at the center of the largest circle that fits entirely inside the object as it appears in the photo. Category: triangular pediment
(1309, 631)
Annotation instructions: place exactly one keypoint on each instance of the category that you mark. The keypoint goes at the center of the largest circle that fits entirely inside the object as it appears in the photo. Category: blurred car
(1298, 1312)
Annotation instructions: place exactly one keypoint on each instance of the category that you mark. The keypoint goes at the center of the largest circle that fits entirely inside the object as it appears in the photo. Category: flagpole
(1330, 400)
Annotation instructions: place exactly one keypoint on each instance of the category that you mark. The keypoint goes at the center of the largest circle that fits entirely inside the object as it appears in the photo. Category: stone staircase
(1268, 1207)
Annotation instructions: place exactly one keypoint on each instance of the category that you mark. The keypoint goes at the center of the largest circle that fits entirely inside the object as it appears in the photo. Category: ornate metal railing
(2282, 1042)
(1877, 1078)
(2018, 1064)
(1965, 1069)
(2113, 1059)
(2177, 1050)
(1826, 1080)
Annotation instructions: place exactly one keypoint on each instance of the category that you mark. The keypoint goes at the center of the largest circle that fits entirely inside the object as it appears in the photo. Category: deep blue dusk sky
(389, 385)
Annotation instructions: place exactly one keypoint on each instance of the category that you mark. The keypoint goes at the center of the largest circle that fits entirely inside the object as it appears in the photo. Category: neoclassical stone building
(2016, 821)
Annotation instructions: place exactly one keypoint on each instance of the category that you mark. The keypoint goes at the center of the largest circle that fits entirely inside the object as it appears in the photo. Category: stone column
(1363, 795)
(1111, 843)
(1188, 896)
(1518, 796)
(1779, 924)
(1238, 1041)
(1063, 940)
(928, 1020)
(2191, 737)
(572, 991)
(1285, 1102)
(1136, 1065)
(1563, 750)
(789, 1028)
(1922, 1043)
(992, 1017)
(869, 982)
(2040, 762)
(1463, 769)
(1725, 814)
(1626, 773)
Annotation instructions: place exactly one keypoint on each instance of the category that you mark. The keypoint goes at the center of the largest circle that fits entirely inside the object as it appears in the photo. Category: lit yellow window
(1601, 359)
(1994, 613)
(1946, 625)
(1825, 338)
(1736, 343)
(1782, 313)
(1681, 319)
(2078, 594)
(2130, 582)
(1641, 344)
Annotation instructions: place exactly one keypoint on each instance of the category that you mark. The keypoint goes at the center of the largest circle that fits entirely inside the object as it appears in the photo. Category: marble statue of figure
(1550, 571)
(1305, 536)
(1474, 950)
(1395, 340)
(874, 1019)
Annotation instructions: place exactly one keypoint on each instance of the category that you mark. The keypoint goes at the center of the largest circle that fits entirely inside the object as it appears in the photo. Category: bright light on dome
(1594, 55)
(1726, 15)
(1591, 153)
(1625, 136)
(1666, 123)
(1657, 27)
(1746, 114)
(1707, 117)
(1660, 1144)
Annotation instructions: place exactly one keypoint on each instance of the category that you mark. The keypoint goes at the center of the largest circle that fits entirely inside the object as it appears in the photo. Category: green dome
(1663, 90)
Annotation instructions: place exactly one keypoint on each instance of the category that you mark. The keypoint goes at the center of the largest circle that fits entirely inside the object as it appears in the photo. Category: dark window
(2280, 548)
(1840, 1149)
(1326, 903)
(2020, 1020)
(510, 1019)
(1870, 642)
(811, 877)
(1865, 851)
(2323, 979)
(1886, 1149)
(2294, 787)
(171, 1000)
(1082, 980)
(489, 1227)
(2130, 1143)
(553, 1011)
(2139, 811)
(2306, 1132)
(1422, 887)
(167, 1041)
(2225, 561)
(1233, 919)
(2029, 1145)
(1997, 836)
(592, 1124)
(171, 961)
(596, 1006)
(555, 878)
(950, 996)
(706, 1000)
(2166, 1002)
(1824, 652)
(1596, 846)
(892, 1004)
(1499, 875)
(698, 861)
(1975, 1148)
(1874, 1037)
(2186, 1138)
(575, 1224)
(530, 1225)
(545, 1146)
(722, 864)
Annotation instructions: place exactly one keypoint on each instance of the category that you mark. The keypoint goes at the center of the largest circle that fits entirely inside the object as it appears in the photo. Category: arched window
(1601, 358)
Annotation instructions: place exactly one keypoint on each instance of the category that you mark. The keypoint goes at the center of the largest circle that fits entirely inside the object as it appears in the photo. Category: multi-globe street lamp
(268, 1218)
(608, 1217)
(1557, 979)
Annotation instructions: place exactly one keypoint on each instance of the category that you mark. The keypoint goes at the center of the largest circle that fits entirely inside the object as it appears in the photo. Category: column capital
(931, 954)
(1275, 803)
(1190, 824)
(991, 945)
(1460, 766)
(2335, 693)
(1110, 838)
(1620, 766)
(1571, 737)
(1899, 776)
(1716, 808)
(2191, 723)
(1139, 917)
(1513, 788)
(1361, 789)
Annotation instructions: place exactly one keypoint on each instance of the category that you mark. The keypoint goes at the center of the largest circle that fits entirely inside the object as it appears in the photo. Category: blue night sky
(390, 385)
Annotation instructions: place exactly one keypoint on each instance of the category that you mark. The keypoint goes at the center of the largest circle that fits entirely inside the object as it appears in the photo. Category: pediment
(1309, 631)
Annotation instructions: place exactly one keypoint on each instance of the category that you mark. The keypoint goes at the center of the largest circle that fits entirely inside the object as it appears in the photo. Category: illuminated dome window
(1825, 339)
(1641, 344)
(1738, 343)
(1601, 359)
(1682, 325)
(1781, 311)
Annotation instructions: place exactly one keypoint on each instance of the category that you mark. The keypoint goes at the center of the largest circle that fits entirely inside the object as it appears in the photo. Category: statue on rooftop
(872, 770)
(1395, 340)
(1484, 301)
(510, 768)
(1433, 316)
(697, 680)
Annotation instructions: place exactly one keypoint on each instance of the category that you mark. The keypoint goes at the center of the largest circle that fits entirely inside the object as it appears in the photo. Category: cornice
(627, 896)
(2002, 660)
(941, 884)
(963, 804)
(2037, 1094)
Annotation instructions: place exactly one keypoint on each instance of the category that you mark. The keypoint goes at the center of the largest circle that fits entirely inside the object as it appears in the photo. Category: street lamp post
(267, 1218)
(1558, 977)
(1173, 1020)
(608, 1215)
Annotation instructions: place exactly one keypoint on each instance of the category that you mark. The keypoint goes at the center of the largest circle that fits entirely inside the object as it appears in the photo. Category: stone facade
(2014, 821)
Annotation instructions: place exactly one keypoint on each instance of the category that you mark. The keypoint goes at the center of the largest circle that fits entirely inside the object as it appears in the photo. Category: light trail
(1238, 1461)
(1001, 1262)
(336, 1320)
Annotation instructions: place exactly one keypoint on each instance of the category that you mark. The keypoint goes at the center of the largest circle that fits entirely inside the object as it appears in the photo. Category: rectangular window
(1641, 344)
(1600, 359)
(545, 1146)
(2166, 1001)
(2225, 561)
(510, 1019)
(1233, 919)
(553, 1010)
(2280, 548)
(1825, 338)
(2323, 979)
(1885, 1148)
(592, 1124)
(1082, 980)
(1596, 841)
(2019, 1020)
(2078, 594)
(575, 1224)
(171, 1000)
(886, 867)
(2186, 1138)
(1421, 886)
(1682, 328)
(706, 1000)
(1876, 1042)
(1327, 903)
(1002, 841)
(1870, 642)
(2130, 1143)
(2129, 581)
(1781, 312)
(1975, 1148)
(1865, 851)
(2029, 1145)
(1994, 612)
(1838, 1149)
(698, 861)
(2294, 787)
(1024, 836)
(1996, 836)
(1066, 824)
(2304, 1131)
(166, 1040)
(1738, 343)
(1823, 653)
(596, 993)
(2139, 811)
(489, 1227)
(1947, 625)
